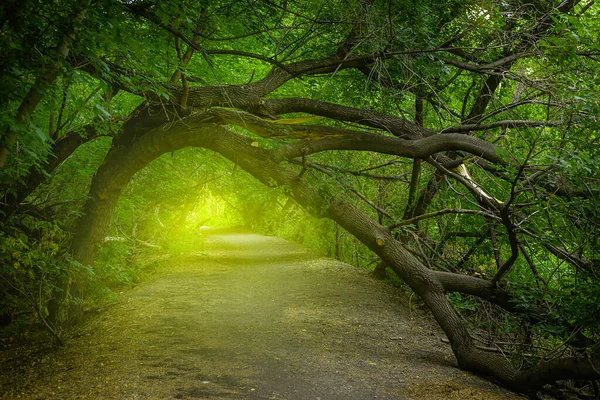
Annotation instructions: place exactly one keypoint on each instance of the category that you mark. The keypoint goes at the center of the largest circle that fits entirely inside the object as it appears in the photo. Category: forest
(451, 147)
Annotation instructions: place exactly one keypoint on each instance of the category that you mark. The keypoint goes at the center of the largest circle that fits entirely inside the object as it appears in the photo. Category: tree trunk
(44, 80)
(61, 150)
(431, 286)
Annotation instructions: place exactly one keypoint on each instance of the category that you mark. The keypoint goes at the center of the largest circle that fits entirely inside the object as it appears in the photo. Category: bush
(35, 271)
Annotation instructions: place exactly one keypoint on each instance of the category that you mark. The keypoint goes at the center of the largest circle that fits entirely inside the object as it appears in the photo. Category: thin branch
(347, 186)
(491, 67)
(470, 252)
(151, 17)
(361, 173)
(245, 35)
(442, 212)
(500, 124)
(511, 228)
(532, 266)
(482, 197)
(518, 104)
(249, 55)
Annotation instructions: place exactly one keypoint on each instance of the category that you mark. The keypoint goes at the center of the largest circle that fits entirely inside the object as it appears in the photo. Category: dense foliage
(466, 133)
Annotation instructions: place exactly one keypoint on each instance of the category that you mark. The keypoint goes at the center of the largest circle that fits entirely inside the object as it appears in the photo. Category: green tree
(456, 140)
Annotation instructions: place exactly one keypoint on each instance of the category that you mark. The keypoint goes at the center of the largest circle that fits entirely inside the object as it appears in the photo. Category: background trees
(455, 140)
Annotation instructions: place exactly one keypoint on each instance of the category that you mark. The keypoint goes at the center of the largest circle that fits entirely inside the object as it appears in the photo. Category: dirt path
(258, 318)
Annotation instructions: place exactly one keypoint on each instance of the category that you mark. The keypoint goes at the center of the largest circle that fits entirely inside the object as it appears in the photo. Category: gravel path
(254, 317)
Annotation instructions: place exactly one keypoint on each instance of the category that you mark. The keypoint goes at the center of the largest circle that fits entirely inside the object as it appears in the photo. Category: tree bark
(431, 286)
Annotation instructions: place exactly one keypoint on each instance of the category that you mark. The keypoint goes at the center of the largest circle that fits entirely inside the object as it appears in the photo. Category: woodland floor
(253, 317)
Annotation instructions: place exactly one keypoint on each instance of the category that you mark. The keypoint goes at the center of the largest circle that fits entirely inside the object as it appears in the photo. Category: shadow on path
(257, 318)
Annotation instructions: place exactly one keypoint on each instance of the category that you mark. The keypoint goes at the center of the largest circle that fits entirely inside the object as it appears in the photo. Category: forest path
(255, 318)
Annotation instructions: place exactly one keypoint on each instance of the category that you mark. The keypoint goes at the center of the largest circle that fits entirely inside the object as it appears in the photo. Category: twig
(442, 212)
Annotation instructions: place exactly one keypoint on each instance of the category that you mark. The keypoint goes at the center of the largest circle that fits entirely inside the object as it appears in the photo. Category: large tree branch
(123, 161)
(546, 372)
(422, 280)
(397, 126)
(323, 138)
(421, 148)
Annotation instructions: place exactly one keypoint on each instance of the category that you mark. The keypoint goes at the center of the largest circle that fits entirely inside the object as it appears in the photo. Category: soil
(253, 317)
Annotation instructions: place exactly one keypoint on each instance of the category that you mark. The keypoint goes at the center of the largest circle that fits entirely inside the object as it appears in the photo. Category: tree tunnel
(481, 119)
(208, 130)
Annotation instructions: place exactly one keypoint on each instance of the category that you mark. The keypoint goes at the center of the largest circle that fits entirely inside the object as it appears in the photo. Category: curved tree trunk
(123, 162)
